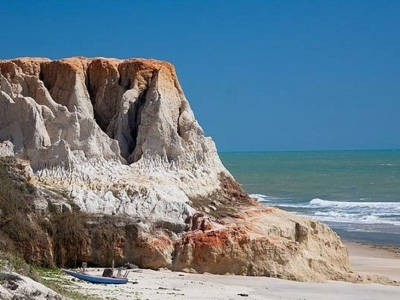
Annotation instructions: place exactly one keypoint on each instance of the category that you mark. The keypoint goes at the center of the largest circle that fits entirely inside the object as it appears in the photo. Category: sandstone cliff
(113, 146)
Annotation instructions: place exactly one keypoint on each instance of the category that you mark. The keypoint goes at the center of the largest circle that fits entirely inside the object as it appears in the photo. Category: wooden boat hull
(97, 279)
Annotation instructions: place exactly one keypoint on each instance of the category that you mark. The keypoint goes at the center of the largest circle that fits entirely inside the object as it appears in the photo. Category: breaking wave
(360, 212)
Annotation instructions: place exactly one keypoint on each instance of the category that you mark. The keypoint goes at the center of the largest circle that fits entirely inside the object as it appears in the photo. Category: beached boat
(97, 279)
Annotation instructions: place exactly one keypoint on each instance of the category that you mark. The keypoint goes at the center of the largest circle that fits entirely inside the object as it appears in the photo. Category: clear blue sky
(259, 75)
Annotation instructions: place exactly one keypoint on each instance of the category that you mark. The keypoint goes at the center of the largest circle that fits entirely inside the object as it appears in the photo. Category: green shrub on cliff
(16, 203)
(27, 234)
(69, 237)
(12, 263)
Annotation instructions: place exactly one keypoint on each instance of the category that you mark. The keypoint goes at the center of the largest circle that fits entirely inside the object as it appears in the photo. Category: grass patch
(53, 278)
(13, 263)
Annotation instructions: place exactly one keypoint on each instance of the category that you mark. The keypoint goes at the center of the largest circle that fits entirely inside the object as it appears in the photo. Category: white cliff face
(118, 136)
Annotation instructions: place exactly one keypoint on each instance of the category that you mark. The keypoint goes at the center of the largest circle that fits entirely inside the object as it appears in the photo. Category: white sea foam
(352, 212)
(259, 197)
(349, 204)
(264, 198)
(340, 217)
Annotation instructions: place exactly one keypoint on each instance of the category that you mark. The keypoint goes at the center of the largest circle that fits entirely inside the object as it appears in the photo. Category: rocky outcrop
(266, 242)
(16, 281)
(16, 286)
(116, 142)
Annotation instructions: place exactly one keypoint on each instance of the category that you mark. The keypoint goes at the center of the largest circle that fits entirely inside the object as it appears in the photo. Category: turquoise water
(357, 193)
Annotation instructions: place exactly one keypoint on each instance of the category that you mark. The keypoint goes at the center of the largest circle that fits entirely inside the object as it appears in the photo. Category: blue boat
(97, 279)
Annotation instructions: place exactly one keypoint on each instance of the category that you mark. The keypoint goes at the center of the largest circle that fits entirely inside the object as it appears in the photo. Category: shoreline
(166, 284)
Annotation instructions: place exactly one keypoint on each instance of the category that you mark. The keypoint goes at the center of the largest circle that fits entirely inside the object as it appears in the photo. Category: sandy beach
(164, 284)
(369, 259)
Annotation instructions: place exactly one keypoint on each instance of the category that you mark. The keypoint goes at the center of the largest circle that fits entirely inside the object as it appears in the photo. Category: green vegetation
(25, 232)
(53, 279)
(9, 262)
(69, 236)
(16, 202)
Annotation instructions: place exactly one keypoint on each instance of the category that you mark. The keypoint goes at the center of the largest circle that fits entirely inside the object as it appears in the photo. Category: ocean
(356, 193)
